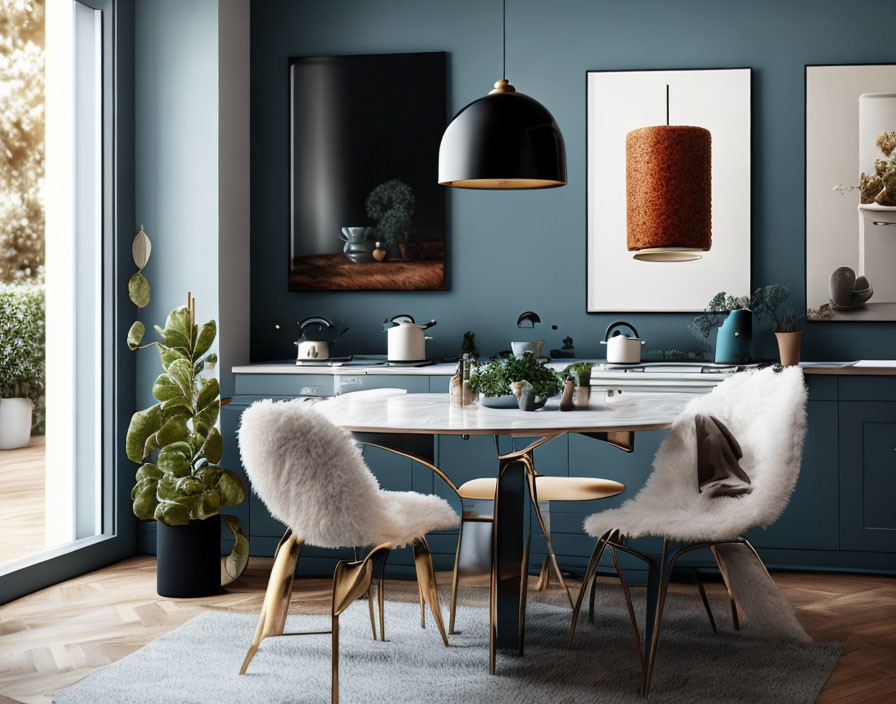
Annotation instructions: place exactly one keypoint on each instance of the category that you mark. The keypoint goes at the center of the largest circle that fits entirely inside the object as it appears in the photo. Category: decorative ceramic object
(379, 253)
(848, 290)
(358, 246)
(789, 347)
(520, 348)
(508, 401)
(735, 338)
(527, 400)
(15, 422)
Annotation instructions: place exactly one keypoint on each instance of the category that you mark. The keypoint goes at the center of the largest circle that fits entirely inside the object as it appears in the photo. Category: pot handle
(407, 318)
(315, 319)
(619, 324)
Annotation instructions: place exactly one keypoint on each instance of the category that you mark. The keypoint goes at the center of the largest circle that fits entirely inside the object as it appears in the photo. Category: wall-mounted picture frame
(619, 102)
(366, 211)
(850, 217)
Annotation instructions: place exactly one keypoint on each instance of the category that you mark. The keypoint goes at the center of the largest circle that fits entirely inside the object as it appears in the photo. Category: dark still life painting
(366, 211)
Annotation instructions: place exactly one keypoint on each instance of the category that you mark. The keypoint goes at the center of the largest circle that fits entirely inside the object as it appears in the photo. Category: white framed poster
(621, 101)
(850, 238)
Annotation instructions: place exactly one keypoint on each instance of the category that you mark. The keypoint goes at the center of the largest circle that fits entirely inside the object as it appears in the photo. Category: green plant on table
(22, 345)
(495, 378)
(581, 372)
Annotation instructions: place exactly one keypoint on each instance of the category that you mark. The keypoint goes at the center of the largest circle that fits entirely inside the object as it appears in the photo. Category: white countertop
(346, 369)
(393, 411)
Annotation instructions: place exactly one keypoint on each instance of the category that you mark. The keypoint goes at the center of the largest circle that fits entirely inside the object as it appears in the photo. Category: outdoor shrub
(22, 345)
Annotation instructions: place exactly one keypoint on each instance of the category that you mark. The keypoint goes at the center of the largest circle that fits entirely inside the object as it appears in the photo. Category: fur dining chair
(762, 416)
(312, 477)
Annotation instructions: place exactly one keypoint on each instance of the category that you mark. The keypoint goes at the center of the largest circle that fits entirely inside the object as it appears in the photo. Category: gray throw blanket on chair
(718, 452)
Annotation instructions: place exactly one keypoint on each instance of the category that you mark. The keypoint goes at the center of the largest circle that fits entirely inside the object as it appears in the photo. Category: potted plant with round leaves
(180, 483)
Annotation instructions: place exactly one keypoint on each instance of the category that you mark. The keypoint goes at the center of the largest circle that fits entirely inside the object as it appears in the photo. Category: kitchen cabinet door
(868, 476)
(810, 521)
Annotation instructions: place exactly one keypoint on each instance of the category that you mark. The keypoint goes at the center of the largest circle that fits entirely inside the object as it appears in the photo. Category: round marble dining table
(405, 423)
(395, 411)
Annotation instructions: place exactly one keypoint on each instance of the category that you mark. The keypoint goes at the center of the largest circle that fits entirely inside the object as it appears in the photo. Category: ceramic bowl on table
(520, 348)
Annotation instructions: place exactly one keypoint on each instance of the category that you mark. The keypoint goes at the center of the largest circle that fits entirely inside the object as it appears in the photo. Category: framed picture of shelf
(851, 192)
(366, 211)
(622, 102)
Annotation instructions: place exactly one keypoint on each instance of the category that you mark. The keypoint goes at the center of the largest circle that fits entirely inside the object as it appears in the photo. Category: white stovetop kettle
(622, 348)
(405, 339)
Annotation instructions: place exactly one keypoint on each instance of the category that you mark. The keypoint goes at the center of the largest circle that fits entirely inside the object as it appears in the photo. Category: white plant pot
(15, 422)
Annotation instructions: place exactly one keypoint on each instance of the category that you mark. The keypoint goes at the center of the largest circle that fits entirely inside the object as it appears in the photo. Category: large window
(55, 220)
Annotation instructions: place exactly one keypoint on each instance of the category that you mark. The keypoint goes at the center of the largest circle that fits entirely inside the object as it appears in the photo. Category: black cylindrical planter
(189, 558)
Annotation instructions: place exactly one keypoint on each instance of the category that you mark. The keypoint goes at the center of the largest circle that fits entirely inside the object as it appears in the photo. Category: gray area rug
(198, 662)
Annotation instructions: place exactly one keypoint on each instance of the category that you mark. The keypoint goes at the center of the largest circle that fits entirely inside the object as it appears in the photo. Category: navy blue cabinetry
(839, 517)
(868, 476)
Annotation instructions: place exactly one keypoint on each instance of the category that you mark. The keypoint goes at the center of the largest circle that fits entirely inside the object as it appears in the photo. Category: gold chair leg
(591, 596)
(589, 575)
(422, 611)
(426, 582)
(724, 572)
(272, 619)
(706, 606)
(455, 577)
(530, 477)
(380, 599)
(350, 581)
(544, 575)
(334, 685)
(370, 607)
(628, 599)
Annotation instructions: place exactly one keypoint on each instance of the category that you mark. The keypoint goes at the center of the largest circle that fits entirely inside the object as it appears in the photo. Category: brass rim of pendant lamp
(668, 254)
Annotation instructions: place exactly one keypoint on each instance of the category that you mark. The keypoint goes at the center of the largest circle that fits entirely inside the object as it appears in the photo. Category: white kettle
(621, 348)
(406, 339)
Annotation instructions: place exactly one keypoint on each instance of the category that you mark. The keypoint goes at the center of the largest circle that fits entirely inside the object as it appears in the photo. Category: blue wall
(510, 252)
(176, 56)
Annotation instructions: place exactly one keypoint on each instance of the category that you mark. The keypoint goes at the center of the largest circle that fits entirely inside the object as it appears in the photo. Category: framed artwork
(851, 192)
(366, 212)
(619, 102)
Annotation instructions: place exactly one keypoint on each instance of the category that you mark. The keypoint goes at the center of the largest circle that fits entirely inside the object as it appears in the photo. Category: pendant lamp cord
(504, 41)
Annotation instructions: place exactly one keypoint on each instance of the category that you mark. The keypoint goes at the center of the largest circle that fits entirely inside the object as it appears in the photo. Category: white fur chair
(312, 477)
(766, 412)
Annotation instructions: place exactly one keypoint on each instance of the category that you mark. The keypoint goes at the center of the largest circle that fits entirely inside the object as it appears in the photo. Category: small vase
(734, 338)
(789, 347)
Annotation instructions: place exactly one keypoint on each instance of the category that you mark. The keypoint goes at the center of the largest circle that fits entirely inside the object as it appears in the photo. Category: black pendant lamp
(505, 140)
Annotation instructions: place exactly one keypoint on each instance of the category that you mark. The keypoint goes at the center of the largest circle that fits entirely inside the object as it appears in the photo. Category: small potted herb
(495, 380)
(580, 373)
(789, 337)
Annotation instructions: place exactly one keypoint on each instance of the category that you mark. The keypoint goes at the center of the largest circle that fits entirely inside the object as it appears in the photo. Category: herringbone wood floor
(53, 638)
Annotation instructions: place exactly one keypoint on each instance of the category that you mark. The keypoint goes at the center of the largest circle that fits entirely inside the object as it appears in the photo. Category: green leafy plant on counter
(22, 346)
(391, 205)
(495, 378)
(581, 372)
(175, 441)
(715, 313)
(764, 303)
(468, 346)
